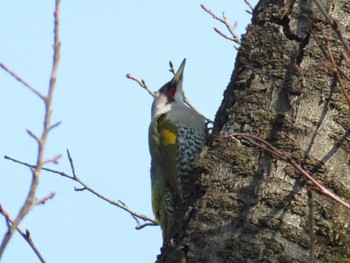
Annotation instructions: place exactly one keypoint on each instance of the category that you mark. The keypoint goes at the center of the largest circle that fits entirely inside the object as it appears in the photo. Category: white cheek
(160, 106)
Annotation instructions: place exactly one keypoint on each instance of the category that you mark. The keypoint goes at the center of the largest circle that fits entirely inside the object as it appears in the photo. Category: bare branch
(171, 65)
(29, 202)
(136, 218)
(225, 36)
(74, 177)
(53, 159)
(334, 24)
(346, 58)
(55, 125)
(25, 235)
(222, 34)
(254, 140)
(56, 55)
(33, 166)
(325, 53)
(43, 200)
(335, 70)
(31, 134)
(71, 164)
(235, 38)
(250, 7)
(79, 189)
(140, 226)
(141, 82)
(118, 204)
(13, 74)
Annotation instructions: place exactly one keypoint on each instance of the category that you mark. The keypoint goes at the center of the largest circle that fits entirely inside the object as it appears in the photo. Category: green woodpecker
(176, 135)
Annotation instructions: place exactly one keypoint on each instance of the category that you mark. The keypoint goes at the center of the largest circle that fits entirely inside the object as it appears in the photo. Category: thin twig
(346, 58)
(31, 134)
(149, 221)
(29, 202)
(335, 70)
(254, 140)
(118, 204)
(325, 53)
(222, 34)
(26, 235)
(13, 74)
(141, 82)
(235, 38)
(334, 24)
(250, 7)
(53, 159)
(43, 200)
(171, 65)
(55, 125)
(139, 227)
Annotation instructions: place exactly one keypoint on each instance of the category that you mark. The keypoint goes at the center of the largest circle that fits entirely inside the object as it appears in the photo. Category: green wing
(169, 153)
(164, 170)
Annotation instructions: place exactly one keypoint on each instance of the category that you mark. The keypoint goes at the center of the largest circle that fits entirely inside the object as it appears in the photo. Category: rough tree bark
(248, 206)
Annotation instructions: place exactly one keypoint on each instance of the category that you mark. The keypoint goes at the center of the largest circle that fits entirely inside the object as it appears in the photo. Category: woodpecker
(176, 135)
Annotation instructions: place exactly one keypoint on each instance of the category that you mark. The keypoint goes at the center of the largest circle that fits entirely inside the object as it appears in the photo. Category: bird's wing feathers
(168, 134)
(164, 170)
(158, 204)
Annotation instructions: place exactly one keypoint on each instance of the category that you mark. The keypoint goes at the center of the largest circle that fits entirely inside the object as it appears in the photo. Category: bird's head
(170, 93)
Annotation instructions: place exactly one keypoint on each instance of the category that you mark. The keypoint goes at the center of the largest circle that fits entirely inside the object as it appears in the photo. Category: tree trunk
(248, 206)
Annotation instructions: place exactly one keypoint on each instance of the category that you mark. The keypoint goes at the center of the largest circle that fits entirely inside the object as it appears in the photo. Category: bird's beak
(179, 74)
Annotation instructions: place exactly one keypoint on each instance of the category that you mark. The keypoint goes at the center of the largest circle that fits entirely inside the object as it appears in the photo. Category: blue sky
(104, 115)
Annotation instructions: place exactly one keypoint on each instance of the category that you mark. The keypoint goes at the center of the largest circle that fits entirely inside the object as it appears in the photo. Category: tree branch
(29, 202)
(334, 24)
(142, 83)
(172, 69)
(136, 216)
(260, 143)
(235, 38)
(25, 235)
(119, 204)
(13, 74)
(335, 70)
(43, 200)
(250, 7)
